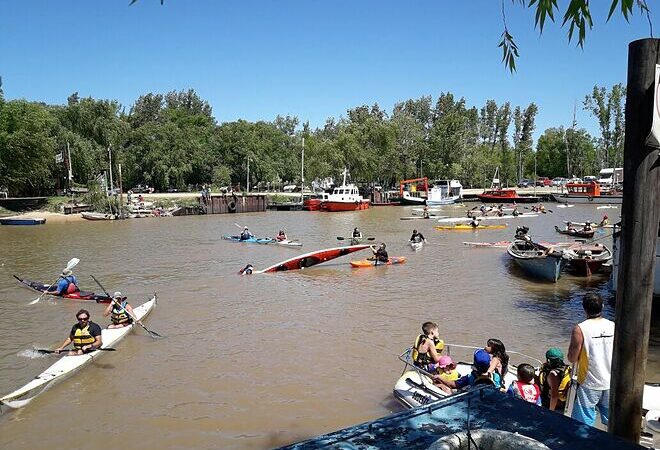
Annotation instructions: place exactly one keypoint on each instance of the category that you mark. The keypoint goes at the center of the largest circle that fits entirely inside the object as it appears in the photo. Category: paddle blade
(339, 238)
(72, 263)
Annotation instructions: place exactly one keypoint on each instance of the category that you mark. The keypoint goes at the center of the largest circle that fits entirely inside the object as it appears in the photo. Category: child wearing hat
(447, 372)
(554, 380)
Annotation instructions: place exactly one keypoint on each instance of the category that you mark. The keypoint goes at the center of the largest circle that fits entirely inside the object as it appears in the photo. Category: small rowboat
(68, 365)
(593, 225)
(89, 215)
(288, 243)
(372, 263)
(252, 240)
(587, 259)
(80, 295)
(22, 221)
(469, 227)
(537, 261)
(576, 233)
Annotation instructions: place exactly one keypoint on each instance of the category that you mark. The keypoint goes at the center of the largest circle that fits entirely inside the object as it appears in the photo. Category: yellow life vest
(422, 359)
(120, 315)
(82, 337)
(564, 383)
(451, 376)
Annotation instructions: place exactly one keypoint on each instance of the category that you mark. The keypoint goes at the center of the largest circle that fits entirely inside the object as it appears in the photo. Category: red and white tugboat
(345, 198)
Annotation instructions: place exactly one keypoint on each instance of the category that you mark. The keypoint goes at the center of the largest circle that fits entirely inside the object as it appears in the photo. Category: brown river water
(262, 361)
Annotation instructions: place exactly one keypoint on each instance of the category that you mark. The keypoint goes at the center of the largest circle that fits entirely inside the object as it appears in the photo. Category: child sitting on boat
(478, 376)
(427, 348)
(525, 387)
(447, 372)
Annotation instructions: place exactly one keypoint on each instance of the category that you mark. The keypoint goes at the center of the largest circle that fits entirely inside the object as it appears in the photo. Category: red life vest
(529, 392)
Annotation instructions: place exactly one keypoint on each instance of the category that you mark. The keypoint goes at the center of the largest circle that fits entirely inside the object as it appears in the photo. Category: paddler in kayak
(85, 335)
(604, 222)
(67, 284)
(356, 237)
(245, 234)
(474, 222)
(247, 270)
(380, 254)
(120, 312)
(515, 212)
(417, 237)
(425, 213)
(281, 236)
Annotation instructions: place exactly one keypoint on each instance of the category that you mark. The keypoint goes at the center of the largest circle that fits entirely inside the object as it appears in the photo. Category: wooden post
(640, 216)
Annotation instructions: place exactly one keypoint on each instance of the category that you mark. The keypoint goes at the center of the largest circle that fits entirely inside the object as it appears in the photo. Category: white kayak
(416, 245)
(429, 210)
(568, 206)
(68, 365)
(288, 243)
(468, 219)
(607, 207)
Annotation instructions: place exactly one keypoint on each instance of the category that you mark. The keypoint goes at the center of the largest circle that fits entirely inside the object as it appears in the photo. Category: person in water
(499, 362)
(524, 387)
(479, 374)
(380, 253)
(67, 284)
(247, 270)
(554, 380)
(427, 347)
(245, 234)
(85, 335)
(120, 312)
(417, 237)
(281, 236)
(474, 222)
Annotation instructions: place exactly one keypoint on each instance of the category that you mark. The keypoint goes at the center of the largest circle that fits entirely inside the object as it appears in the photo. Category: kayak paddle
(48, 351)
(72, 263)
(153, 334)
(340, 238)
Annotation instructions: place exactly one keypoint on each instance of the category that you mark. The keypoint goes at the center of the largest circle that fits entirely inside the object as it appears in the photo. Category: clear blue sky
(312, 59)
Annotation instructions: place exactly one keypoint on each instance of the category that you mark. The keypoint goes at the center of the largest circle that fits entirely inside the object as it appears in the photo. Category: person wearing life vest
(120, 312)
(524, 387)
(554, 380)
(67, 284)
(478, 376)
(380, 254)
(417, 237)
(474, 222)
(427, 347)
(425, 212)
(245, 234)
(85, 335)
(281, 236)
(591, 347)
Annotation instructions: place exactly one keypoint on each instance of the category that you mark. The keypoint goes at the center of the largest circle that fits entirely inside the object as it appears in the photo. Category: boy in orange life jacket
(525, 387)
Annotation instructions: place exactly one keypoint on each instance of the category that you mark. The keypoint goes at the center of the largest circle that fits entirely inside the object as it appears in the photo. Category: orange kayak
(372, 263)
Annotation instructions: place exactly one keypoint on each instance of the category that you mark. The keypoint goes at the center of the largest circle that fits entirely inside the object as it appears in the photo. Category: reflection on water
(261, 361)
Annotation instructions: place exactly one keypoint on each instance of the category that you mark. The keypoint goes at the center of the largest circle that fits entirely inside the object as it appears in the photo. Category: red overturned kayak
(372, 263)
(312, 258)
(80, 295)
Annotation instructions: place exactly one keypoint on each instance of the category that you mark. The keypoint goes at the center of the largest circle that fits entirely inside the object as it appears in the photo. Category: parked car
(525, 183)
(589, 178)
(575, 180)
(142, 189)
(543, 181)
(559, 181)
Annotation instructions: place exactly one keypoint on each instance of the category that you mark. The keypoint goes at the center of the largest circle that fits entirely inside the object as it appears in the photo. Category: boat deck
(486, 408)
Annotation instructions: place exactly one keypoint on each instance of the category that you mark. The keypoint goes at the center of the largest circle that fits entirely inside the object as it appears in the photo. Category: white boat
(345, 198)
(68, 365)
(416, 245)
(468, 220)
(287, 243)
(89, 215)
(415, 386)
(445, 192)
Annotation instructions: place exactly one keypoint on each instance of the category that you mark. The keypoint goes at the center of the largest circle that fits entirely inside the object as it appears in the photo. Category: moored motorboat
(587, 259)
(252, 240)
(345, 198)
(68, 365)
(22, 221)
(80, 295)
(588, 193)
(90, 215)
(372, 262)
(576, 233)
(536, 260)
(444, 192)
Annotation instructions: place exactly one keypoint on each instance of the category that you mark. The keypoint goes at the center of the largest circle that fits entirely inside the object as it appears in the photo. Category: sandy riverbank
(50, 217)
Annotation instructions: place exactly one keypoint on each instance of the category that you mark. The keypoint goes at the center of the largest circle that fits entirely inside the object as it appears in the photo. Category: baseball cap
(481, 360)
(554, 353)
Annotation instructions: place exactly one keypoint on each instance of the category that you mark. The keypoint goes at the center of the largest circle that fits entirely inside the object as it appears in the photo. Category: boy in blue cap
(479, 375)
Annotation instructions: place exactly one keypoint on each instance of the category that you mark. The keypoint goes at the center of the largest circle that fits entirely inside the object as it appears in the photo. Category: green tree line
(172, 140)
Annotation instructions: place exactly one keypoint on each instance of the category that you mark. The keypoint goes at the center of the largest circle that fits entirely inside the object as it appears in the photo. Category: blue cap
(481, 360)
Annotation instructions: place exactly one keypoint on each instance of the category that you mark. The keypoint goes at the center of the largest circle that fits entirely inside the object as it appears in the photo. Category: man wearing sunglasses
(85, 335)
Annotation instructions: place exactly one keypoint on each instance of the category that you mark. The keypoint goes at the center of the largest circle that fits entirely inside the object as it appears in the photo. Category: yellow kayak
(468, 227)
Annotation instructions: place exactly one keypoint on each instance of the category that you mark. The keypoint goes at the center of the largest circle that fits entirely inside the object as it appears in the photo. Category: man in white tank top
(591, 347)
